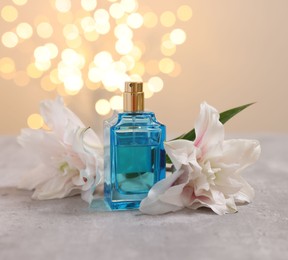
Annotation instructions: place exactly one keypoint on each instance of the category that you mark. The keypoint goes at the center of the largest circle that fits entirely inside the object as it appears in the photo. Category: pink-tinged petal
(179, 151)
(163, 196)
(209, 131)
(214, 200)
(188, 195)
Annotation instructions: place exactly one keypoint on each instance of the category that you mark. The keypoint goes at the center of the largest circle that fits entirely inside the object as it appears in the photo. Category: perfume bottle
(134, 155)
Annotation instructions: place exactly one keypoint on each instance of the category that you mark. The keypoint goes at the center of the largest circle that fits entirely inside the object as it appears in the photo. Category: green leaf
(224, 117)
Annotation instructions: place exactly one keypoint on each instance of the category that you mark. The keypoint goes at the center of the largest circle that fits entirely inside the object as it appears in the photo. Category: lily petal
(56, 115)
(209, 131)
(246, 194)
(69, 168)
(57, 187)
(163, 196)
(207, 170)
(179, 152)
(35, 177)
(34, 141)
(241, 152)
(216, 201)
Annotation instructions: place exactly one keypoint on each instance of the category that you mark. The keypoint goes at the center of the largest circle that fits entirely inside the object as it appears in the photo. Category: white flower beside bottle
(65, 168)
(207, 168)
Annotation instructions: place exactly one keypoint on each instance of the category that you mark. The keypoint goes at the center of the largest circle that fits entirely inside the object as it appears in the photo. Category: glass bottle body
(134, 158)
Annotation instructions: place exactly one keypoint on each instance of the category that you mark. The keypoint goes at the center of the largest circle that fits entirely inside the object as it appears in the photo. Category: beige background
(235, 53)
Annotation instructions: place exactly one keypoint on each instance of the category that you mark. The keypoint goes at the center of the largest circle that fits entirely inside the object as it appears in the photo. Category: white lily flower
(207, 170)
(66, 167)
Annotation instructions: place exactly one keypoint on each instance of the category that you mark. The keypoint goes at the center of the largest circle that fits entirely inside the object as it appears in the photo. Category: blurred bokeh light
(66, 60)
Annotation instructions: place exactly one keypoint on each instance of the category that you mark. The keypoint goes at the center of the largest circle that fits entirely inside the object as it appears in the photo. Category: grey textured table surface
(65, 229)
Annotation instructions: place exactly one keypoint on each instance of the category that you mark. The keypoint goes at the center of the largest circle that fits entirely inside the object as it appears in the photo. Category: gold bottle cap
(133, 97)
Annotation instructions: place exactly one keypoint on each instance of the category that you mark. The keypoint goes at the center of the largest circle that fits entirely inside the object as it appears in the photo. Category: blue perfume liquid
(139, 176)
(134, 158)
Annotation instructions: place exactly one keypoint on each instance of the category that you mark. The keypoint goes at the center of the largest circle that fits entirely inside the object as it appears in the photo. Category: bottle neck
(133, 102)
